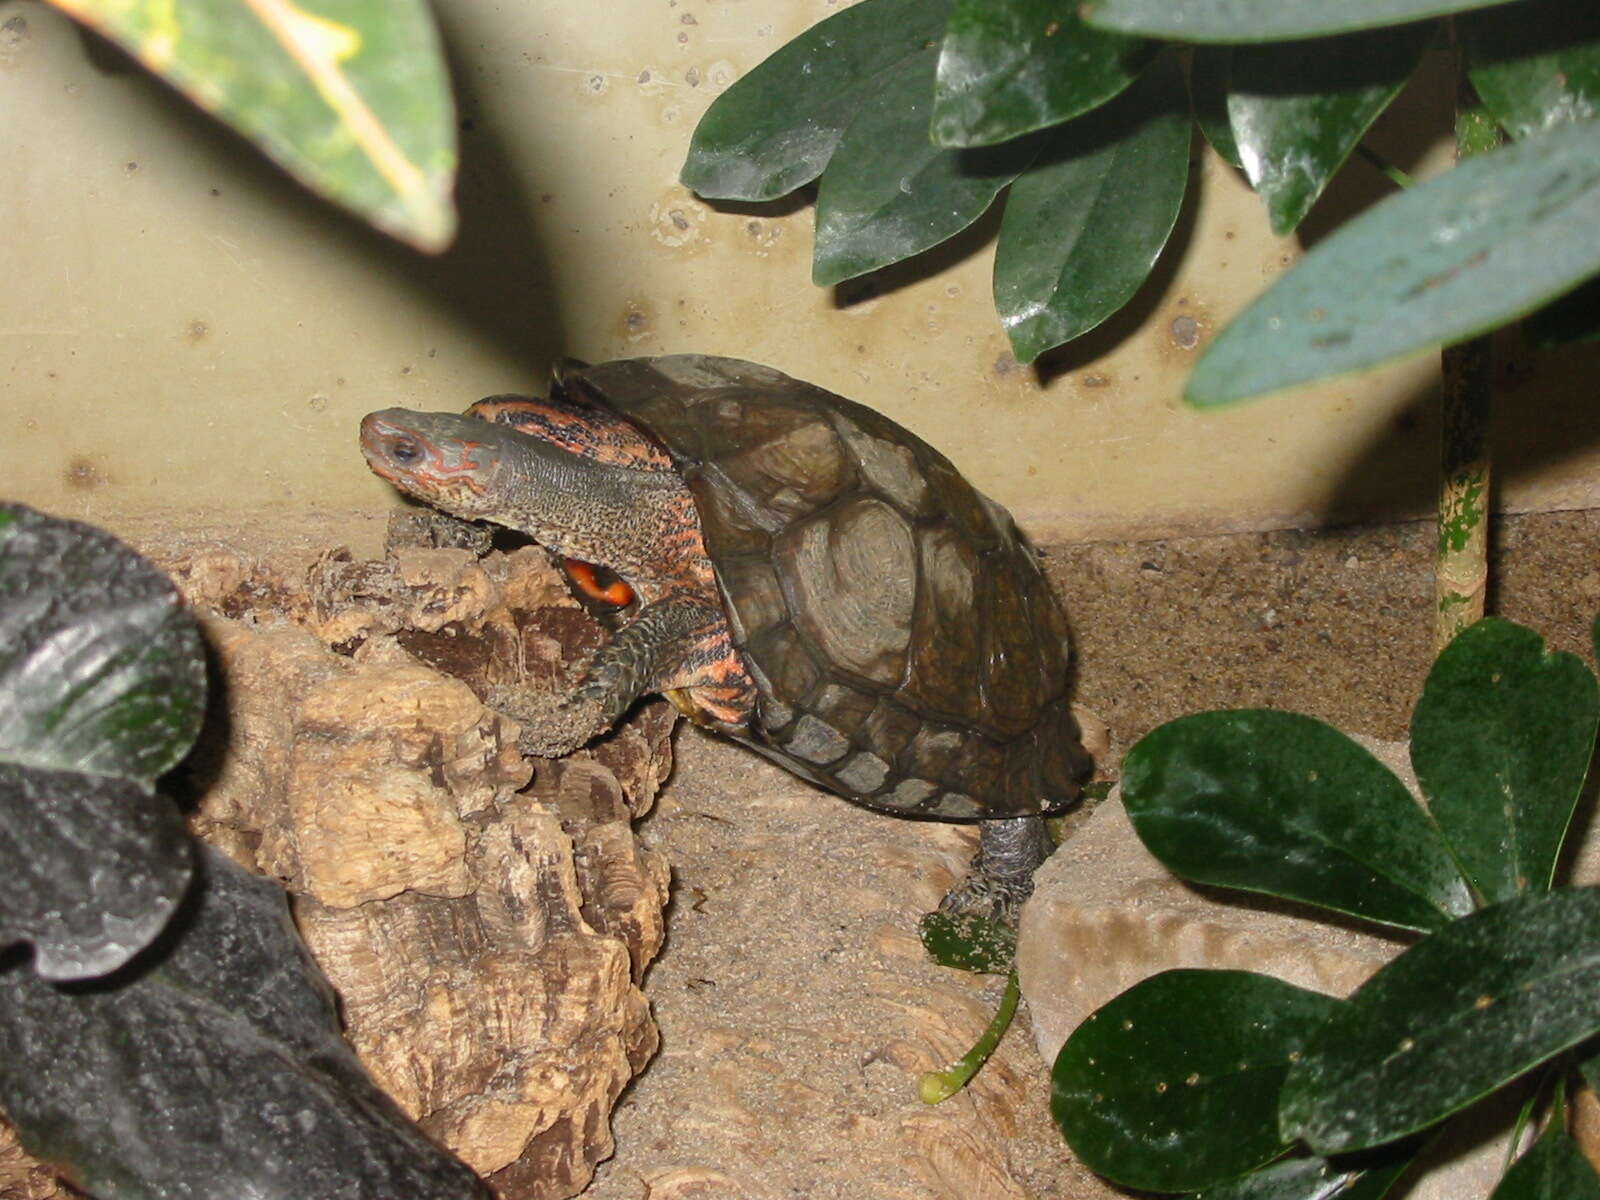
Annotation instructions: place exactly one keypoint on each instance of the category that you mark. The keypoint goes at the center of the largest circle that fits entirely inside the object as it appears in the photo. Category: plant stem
(937, 1086)
(1396, 176)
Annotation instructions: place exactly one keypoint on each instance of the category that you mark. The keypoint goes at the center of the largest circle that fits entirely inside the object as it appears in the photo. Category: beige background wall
(181, 328)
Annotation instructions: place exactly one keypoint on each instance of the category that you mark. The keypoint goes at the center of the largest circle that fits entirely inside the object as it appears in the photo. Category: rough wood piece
(23, 1177)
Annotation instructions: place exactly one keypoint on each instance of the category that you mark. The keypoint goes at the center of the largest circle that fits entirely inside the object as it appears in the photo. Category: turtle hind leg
(1010, 849)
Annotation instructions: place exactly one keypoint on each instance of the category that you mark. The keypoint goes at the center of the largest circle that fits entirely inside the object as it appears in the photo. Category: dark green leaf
(1575, 317)
(1456, 1016)
(1260, 20)
(1086, 222)
(1209, 70)
(1173, 1086)
(1299, 108)
(212, 1067)
(1009, 67)
(890, 193)
(1535, 65)
(1314, 1179)
(776, 128)
(1501, 741)
(1280, 803)
(1554, 1168)
(968, 942)
(1456, 256)
(353, 100)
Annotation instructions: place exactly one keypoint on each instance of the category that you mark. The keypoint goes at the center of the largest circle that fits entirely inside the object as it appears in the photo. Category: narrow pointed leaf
(1279, 803)
(1009, 67)
(1456, 256)
(1456, 1016)
(889, 192)
(352, 99)
(1260, 20)
(1298, 109)
(1085, 223)
(1173, 1086)
(1501, 740)
(1535, 65)
(1314, 1179)
(1210, 69)
(1554, 1168)
(777, 127)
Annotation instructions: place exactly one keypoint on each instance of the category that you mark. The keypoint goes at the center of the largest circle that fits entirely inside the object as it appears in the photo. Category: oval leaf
(1535, 65)
(968, 942)
(353, 99)
(1313, 1179)
(1009, 67)
(777, 127)
(1501, 740)
(1279, 803)
(1459, 1014)
(1210, 68)
(1554, 1168)
(889, 192)
(1173, 1086)
(1260, 20)
(1458, 255)
(1086, 222)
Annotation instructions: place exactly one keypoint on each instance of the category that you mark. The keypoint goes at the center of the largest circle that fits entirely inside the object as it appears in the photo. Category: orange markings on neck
(586, 578)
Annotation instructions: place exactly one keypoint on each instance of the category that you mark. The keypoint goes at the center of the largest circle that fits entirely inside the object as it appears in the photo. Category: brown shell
(909, 652)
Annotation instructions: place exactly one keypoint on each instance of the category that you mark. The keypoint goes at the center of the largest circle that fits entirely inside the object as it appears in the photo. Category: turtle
(793, 570)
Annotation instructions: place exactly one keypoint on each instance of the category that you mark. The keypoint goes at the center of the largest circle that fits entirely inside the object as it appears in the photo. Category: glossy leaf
(1260, 20)
(1313, 1179)
(1501, 740)
(777, 127)
(968, 942)
(1009, 67)
(1279, 803)
(1454, 1017)
(1554, 1168)
(1085, 223)
(1535, 65)
(214, 1067)
(1173, 1085)
(1456, 256)
(1297, 109)
(889, 192)
(1210, 68)
(352, 99)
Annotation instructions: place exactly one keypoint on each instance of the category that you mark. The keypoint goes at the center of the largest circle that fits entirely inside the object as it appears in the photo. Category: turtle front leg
(1010, 849)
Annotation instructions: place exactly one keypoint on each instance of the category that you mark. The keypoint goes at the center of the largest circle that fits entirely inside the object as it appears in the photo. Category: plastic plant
(1231, 1084)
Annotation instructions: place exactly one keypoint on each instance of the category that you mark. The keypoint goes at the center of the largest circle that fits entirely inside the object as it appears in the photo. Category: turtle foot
(987, 898)
(553, 724)
(1010, 849)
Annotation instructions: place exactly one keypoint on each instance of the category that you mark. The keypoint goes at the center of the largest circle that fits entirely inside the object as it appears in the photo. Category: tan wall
(182, 328)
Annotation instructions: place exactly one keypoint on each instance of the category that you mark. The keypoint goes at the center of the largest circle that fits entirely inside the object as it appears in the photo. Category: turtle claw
(987, 898)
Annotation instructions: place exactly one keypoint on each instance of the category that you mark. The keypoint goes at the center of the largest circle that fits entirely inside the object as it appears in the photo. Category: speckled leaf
(1535, 65)
(1086, 222)
(213, 1067)
(1209, 70)
(968, 942)
(1500, 741)
(889, 192)
(1314, 1179)
(1280, 803)
(351, 97)
(1173, 1085)
(777, 127)
(1456, 256)
(1554, 1168)
(1456, 1016)
(1261, 20)
(1009, 67)
(1297, 109)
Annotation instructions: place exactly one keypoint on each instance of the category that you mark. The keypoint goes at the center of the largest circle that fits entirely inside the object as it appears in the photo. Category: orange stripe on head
(586, 578)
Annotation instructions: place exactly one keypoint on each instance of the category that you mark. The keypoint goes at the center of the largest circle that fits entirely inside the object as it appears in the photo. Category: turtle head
(454, 463)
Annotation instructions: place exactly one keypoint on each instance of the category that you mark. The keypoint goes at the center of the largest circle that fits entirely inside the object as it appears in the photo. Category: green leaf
(968, 942)
(1456, 256)
(352, 99)
(1260, 20)
(1535, 65)
(889, 192)
(1279, 803)
(1173, 1085)
(1297, 109)
(1456, 1016)
(1314, 1179)
(1501, 740)
(1009, 67)
(1084, 224)
(1554, 1168)
(1209, 70)
(777, 127)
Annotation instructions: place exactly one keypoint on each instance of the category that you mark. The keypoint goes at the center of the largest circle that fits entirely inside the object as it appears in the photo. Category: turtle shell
(907, 649)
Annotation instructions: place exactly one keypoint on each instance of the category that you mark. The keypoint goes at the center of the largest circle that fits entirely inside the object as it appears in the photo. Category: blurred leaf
(1501, 740)
(1535, 65)
(1554, 1168)
(1260, 20)
(1085, 223)
(1575, 317)
(353, 99)
(1314, 1179)
(1297, 109)
(777, 127)
(1009, 67)
(1210, 68)
(889, 192)
(1460, 1013)
(968, 942)
(213, 1067)
(1280, 803)
(1459, 255)
(1173, 1085)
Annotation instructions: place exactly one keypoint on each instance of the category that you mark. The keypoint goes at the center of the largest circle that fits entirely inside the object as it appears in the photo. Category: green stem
(1396, 176)
(937, 1086)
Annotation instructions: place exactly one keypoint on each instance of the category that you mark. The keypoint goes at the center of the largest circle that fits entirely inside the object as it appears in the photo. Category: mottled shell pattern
(907, 648)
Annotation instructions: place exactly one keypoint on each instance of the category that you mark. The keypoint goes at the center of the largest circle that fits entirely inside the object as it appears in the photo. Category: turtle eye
(405, 451)
(598, 584)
